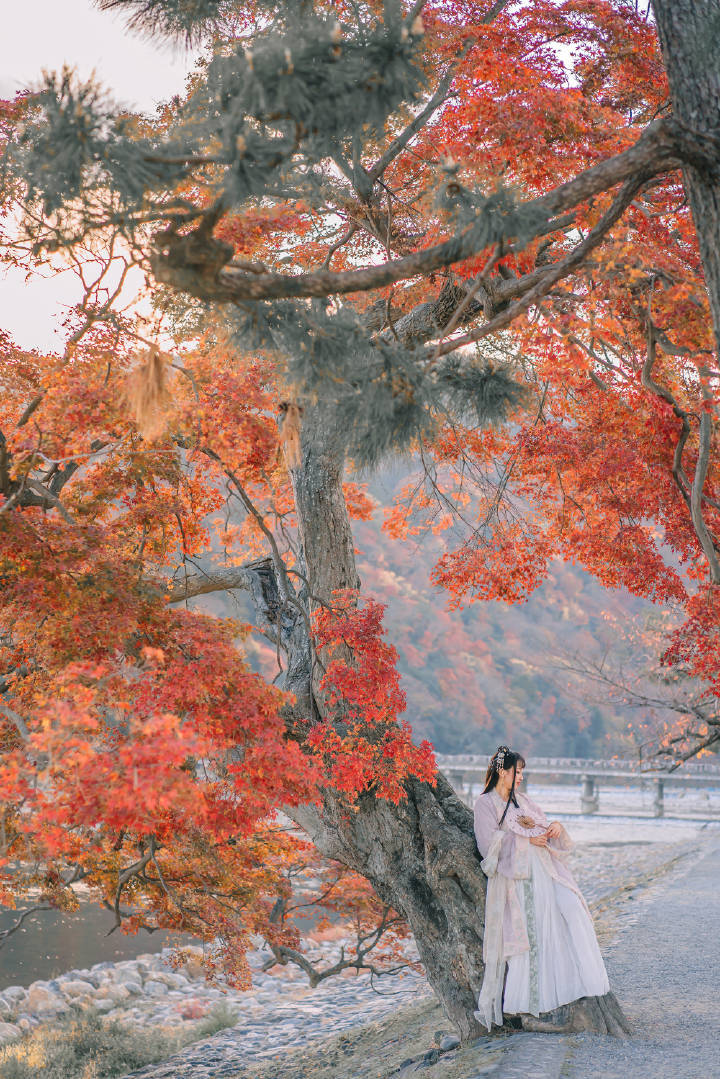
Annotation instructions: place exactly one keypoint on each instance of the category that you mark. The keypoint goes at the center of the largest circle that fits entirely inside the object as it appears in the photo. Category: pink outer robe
(507, 860)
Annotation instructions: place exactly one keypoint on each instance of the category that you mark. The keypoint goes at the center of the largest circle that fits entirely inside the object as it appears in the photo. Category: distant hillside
(490, 672)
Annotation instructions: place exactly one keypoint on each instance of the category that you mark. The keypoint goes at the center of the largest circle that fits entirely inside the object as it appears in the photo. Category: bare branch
(284, 954)
(439, 97)
(681, 479)
(701, 470)
(5, 933)
(691, 493)
(704, 743)
(47, 498)
(127, 874)
(481, 281)
(204, 583)
(28, 411)
(400, 142)
(348, 235)
(17, 719)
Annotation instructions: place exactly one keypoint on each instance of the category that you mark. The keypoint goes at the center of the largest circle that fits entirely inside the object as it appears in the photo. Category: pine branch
(189, 20)
(220, 281)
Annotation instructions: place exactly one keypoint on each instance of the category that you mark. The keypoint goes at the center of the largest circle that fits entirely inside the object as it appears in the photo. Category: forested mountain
(490, 671)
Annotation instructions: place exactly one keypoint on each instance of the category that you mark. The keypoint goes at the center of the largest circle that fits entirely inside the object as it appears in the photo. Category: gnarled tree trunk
(420, 856)
(689, 32)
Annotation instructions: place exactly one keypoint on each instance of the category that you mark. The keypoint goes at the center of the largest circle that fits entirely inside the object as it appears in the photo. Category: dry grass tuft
(86, 1045)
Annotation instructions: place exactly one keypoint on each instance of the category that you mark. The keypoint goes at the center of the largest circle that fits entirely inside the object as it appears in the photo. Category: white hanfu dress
(537, 923)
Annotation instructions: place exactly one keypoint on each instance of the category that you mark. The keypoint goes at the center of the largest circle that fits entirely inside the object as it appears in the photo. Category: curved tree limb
(201, 265)
(538, 284)
(701, 470)
(681, 480)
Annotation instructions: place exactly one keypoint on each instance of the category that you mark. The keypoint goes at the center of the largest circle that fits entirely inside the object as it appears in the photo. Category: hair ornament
(500, 757)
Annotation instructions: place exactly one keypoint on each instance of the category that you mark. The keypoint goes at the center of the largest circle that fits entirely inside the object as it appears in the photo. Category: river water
(50, 942)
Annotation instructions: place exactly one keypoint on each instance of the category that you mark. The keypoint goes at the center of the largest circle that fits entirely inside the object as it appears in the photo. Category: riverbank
(51, 942)
(281, 1013)
(415, 1034)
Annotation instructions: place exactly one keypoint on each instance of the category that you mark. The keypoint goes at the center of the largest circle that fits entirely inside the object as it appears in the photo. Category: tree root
(597, 1015)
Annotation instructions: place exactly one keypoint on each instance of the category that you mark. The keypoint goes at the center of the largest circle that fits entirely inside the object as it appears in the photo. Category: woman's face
(506, 775)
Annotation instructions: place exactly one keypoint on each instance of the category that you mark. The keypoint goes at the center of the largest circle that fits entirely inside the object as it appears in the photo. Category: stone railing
(574, 765)
(464, 770)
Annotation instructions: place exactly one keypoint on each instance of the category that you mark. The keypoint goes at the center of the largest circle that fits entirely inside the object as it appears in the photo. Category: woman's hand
(554, 830)
(539, 840)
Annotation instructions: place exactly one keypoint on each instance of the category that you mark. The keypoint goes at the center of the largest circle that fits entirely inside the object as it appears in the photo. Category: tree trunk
(689, 32)
(420, 856)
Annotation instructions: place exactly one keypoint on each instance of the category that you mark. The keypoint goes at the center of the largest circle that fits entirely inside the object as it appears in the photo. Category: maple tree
(485, 233)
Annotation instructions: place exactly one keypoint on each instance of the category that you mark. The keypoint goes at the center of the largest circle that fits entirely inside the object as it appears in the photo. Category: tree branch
(133, 870)
(701, 470)
(538, 284)
(681, 480)
(204, 583)
(17, 719)
(201, 266)
(439, 97)
(5, 933)
(47, 498)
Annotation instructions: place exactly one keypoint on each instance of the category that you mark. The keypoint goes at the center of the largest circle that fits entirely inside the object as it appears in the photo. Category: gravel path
(665, 968)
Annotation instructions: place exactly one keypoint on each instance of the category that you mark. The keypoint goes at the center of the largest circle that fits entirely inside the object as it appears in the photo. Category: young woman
(537, 922)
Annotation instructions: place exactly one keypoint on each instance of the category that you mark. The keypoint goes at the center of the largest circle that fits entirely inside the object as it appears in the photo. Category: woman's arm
(558, 839)
(503, 852)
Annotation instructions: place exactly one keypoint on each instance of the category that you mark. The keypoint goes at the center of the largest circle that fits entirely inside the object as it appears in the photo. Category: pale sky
(41, 34)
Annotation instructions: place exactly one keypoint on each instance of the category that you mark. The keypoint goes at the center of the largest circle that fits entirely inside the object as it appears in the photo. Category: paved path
(664, 967)
(665, 970)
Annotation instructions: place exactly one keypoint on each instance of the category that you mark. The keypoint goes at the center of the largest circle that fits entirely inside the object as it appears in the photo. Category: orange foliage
(364, 744)
(135, 732)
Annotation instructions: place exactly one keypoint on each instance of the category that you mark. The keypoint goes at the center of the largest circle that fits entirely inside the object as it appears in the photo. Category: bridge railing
(551, 765)
(465, 769)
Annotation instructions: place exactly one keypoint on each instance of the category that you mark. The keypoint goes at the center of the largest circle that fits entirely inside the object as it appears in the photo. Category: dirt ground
(392, 1047)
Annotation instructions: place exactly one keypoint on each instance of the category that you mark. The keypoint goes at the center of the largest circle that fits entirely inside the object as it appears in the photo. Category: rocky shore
(145, 992)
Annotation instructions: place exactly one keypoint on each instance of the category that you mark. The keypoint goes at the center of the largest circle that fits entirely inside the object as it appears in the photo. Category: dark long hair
(509, 760)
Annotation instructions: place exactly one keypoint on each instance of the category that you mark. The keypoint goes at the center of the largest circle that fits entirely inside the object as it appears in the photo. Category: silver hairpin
(500, 757)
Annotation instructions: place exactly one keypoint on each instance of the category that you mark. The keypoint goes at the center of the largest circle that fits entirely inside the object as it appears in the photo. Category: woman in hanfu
(537, 923)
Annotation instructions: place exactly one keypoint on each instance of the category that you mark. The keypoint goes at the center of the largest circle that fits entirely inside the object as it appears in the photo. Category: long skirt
(564, 961)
